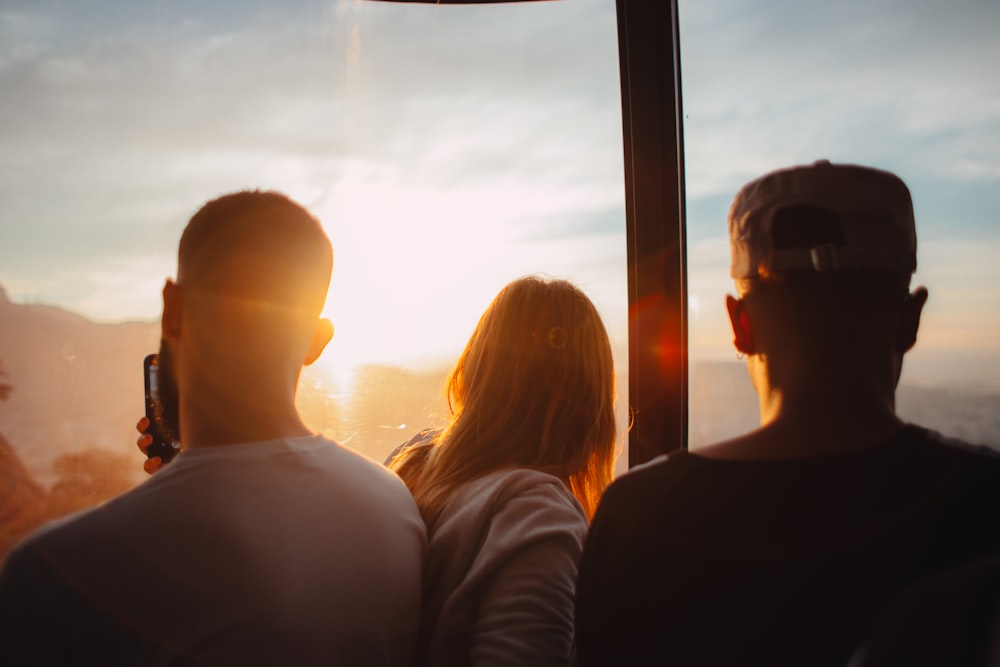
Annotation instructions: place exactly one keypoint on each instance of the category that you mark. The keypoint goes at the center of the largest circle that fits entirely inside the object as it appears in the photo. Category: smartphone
(164, 447)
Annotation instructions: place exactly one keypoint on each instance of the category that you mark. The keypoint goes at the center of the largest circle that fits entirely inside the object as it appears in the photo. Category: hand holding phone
(150, 465)
(161, 446)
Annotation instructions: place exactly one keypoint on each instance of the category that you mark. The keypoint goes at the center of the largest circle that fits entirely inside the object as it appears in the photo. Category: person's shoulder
(650, 476)
(50, 531)
(60, 539)
(423, 438)
(345, 459)
(361, 471)
(972, 471)
(980, 456)
(965, 480)
(520, 480)
(353, 477)
(530, 503)
(522, 485)
(915, 432)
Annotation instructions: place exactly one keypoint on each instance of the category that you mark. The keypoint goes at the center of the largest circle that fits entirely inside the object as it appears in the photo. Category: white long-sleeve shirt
(501, 573)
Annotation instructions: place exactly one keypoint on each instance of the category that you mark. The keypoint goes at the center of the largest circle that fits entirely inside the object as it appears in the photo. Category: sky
(442, 159)
(449, 150)
(904, 86)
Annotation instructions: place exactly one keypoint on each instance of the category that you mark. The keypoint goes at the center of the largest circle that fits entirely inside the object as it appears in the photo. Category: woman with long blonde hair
(508, 486)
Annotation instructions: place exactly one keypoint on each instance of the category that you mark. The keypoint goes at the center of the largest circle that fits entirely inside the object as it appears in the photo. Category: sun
(415, 266)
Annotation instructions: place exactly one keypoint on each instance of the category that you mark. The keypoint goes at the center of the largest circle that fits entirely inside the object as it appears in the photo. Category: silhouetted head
(822, 256)
(258, 247)
(243, 316)
(534, 388)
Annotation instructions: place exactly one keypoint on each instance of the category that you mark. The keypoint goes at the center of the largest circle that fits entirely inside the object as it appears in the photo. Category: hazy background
(449, 150)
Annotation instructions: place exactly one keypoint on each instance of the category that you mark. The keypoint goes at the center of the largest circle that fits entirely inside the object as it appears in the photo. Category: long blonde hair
(534, 388)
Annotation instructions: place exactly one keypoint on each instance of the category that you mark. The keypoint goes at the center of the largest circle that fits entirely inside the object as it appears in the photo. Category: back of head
(826, 250)
(534, 388)
(255, 267)
(260, 246)
(822, 218)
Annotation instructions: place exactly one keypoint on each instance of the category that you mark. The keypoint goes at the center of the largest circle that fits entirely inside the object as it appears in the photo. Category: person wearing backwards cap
(835, 531)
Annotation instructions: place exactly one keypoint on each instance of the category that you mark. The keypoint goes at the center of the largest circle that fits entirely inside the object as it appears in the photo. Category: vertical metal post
(654, 206)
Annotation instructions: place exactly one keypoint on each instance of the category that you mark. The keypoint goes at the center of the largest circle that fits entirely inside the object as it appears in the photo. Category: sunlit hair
(534, 388)
(257, 245)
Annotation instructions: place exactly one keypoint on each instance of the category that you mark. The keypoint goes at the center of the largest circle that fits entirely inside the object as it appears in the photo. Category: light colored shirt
(501, 573)
(292, 551)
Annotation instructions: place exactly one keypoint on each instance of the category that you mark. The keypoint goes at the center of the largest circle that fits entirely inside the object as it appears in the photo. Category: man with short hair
(261, 543)
(783, 546)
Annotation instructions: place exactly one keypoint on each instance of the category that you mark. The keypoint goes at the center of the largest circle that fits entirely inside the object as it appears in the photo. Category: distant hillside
(723, 404)
(22, 499)
(969, 415)
(75, 384)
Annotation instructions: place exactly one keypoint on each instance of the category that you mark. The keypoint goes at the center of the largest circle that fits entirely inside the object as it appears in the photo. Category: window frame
(649, 56)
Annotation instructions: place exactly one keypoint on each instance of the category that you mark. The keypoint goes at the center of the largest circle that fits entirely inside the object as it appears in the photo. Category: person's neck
(813, 421)
(219, 422)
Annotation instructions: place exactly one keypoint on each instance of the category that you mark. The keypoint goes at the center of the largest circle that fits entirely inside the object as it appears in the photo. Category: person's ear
(909, 319)
(170, 322)
(742, 333)
(322, 336)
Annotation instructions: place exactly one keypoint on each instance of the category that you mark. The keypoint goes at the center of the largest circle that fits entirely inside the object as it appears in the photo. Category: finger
(152, 465)
(142, 425)
(144, 441)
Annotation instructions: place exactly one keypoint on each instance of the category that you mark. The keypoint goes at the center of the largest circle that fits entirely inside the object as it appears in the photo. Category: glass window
(906, 86)
(447, 150)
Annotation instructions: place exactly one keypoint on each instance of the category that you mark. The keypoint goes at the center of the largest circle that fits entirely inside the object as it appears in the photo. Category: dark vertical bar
(654, 208)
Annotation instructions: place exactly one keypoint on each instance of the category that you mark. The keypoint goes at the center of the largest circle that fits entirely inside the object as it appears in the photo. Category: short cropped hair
(257, 245)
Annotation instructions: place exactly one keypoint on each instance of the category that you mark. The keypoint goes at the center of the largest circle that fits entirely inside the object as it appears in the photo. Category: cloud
(492, 131)
(118, 120)
(908, 86)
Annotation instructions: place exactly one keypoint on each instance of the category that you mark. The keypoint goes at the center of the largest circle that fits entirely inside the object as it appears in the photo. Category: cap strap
(830, 257)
